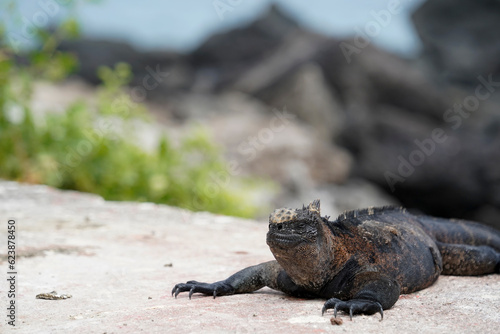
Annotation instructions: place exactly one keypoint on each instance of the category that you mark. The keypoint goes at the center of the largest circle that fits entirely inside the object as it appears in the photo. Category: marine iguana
(362, 261)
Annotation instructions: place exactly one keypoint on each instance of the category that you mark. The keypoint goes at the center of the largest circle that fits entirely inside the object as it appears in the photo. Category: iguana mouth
(283, 239)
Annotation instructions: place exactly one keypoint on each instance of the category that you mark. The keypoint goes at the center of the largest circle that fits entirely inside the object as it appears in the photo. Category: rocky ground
(120, 260)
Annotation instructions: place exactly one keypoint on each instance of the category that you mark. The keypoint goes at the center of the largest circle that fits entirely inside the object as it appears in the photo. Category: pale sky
(183, 24)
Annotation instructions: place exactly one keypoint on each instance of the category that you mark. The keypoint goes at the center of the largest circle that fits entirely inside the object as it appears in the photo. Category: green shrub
(93, 149)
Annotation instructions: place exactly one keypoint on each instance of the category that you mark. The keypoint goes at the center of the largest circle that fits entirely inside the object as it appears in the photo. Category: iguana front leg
(250, 279)
(369, 296)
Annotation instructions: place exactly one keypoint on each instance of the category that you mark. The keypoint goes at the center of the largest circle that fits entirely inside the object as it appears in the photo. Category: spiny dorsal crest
(285, 214)
(371, 211)
(314, 206)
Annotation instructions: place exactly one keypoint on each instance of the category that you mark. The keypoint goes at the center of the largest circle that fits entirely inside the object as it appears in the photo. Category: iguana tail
(467, 248)
(463, 232)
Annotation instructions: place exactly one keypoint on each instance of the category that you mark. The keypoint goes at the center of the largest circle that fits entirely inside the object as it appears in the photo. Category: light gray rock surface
(120, 261)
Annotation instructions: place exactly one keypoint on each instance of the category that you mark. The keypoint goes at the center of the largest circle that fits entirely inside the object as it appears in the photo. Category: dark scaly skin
(362, 261)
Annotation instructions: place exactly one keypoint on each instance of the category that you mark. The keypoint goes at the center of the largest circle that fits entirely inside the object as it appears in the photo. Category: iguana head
(300, 241)
(291, 227)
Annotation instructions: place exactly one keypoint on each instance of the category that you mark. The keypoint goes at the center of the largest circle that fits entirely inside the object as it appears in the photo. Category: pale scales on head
(282, 215)
(285, 214)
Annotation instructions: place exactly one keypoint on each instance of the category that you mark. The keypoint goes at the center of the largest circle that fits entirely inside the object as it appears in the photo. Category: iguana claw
(353, 306)
(215, 289)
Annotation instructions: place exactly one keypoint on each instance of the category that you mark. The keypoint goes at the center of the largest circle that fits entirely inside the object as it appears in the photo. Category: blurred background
(237, 106)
